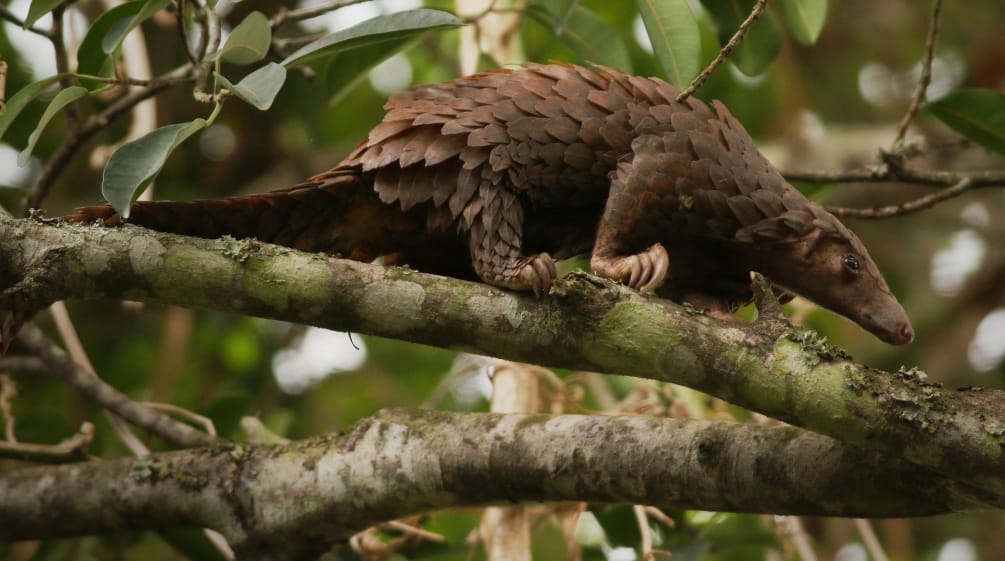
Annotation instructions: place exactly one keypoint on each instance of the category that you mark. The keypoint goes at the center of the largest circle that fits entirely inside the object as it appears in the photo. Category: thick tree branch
(583, 324)
(292, 501)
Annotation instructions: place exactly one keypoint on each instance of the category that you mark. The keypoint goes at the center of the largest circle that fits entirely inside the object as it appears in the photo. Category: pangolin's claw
(534, 272)
(644, 271)
(657, 265)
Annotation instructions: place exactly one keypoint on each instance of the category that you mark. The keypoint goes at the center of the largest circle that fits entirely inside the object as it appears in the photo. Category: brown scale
(491, 175)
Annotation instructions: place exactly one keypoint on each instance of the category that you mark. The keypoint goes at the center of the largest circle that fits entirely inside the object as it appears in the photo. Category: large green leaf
(91, 56)
(343, 73)
(676, 40)
(805, 18)
(113, 39)
(58, 102)
(391, 28)
(38, 9)
(978, 114)
(589, 36)
(135, 164)
(249, 41)
(763, 41)
(21, 99)
(260, 87)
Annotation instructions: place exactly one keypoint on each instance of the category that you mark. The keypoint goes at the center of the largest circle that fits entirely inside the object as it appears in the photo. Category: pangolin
(494, 176)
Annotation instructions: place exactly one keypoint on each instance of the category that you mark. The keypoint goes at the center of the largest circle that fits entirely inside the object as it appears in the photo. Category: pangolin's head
(831, 267)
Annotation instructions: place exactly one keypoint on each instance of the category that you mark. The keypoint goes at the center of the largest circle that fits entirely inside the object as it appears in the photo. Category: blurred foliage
(834, 102)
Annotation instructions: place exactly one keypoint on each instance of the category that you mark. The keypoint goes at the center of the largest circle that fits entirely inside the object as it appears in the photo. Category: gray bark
(292, 501)
(584, 324)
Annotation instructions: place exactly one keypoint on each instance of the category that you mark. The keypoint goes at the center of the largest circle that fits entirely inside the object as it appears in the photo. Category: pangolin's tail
(336, 213)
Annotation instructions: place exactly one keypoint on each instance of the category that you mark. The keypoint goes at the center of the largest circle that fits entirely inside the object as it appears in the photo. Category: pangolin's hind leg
(495, 239)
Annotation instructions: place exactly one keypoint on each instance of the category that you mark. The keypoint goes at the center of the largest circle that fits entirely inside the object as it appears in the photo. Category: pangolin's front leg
(633, 213)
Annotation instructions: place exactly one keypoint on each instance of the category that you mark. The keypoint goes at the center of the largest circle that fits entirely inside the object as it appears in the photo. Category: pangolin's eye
(850, 262)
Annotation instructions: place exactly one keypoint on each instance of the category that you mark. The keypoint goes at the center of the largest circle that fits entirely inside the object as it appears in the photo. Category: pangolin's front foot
(533, 272)
(644, 271)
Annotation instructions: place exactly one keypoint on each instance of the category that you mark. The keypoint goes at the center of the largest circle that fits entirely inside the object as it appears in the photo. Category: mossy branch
(294, 500)
(585, 323)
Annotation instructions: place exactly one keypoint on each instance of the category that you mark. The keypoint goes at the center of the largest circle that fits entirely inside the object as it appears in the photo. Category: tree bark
(292, 501)
(585, 323)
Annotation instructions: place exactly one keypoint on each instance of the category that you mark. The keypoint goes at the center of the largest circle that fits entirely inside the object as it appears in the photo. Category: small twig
(74, 449)
(641, 516)
(645, 531)
(412, 530)
(924, 80)
(22, 364)
(368, 545)
(724, 53)
(207, 424)
(3, 86)
(9, 16)
(60, 365)
(72, 110)
(8, 391)
(871, 541)
(794, 529)
(922, 203)
(661, 516)
(309, 12)
(980, 178)
(182, 34)
(67, 331)
(204, 70)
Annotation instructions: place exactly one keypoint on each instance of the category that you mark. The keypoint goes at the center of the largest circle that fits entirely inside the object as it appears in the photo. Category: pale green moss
(395, 306)
(628, 330)
(259, 281)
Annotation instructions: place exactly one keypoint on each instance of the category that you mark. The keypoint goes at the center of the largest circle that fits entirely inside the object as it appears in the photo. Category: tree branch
(935, 178)
(921, 203)
(585, 324)
(68, 149)
(292, 501)
(926, 76)
(95, 389)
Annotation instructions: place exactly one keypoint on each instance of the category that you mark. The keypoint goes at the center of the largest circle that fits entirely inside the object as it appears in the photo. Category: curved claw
(534, 272)
(658, 263)
(543, 272)
(644, 271)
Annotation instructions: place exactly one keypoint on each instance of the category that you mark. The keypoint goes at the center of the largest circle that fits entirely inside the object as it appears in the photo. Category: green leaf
(135, 164)
(805, 18)
(562, 10)
(589, 36)
(673, 30)
(259, 88)
(21, 99)
(763, 41)
(343, 73)
(249, 41)
(91, 57)
(113, 39)
(978, 114)
(58, 102)
(379, 30)
(38, 9)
